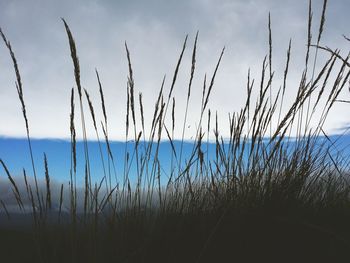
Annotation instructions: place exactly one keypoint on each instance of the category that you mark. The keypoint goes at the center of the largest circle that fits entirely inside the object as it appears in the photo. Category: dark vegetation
(259, 199)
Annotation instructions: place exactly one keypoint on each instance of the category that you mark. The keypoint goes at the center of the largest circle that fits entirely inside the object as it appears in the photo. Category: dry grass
(258, 191)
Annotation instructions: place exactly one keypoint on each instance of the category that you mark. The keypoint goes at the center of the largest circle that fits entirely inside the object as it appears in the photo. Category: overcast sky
(154, 31)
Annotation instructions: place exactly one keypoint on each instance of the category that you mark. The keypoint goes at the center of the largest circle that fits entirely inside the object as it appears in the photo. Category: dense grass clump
(272, 191)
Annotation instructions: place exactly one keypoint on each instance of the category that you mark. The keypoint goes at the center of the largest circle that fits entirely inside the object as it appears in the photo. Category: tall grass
(210, 203)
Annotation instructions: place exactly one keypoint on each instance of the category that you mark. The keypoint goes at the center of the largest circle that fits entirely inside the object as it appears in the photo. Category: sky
(154, 31)
(14, 152)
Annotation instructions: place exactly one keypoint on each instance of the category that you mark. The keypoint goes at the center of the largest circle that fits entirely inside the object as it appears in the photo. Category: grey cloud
(154, 31)
(8, 198)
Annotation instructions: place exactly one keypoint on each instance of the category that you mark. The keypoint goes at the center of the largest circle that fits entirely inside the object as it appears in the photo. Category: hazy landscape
(274, 189)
